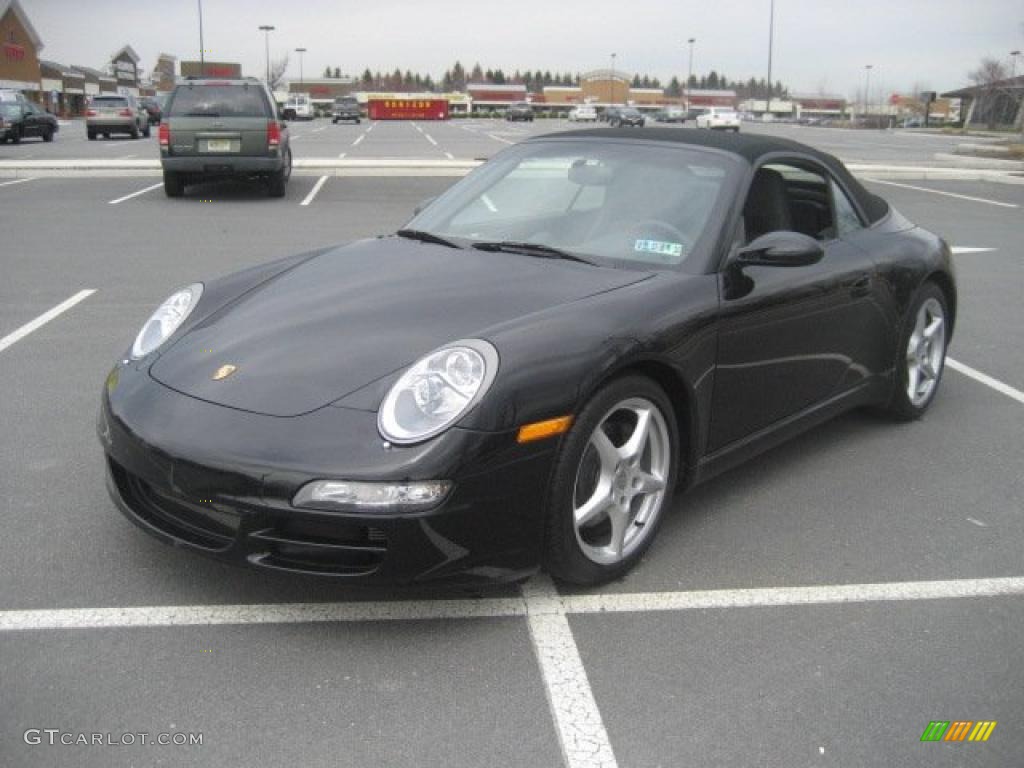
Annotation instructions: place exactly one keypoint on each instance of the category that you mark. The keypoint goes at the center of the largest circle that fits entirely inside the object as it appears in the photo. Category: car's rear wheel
(174, 184)
(277, 182)
(48, 134)
(613, 480)
(146, 131)
(922, 354)
(135, 131)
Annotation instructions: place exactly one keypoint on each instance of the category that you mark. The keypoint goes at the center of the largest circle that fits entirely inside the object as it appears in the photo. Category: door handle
(861, 286)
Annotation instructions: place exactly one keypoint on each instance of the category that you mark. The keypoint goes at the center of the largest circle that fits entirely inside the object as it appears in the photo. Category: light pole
(1013, 59)
(301, 51)
(613, 79)
(202, 53)
(771, 40)
(867, 87)
(267, 29)
(689, 72)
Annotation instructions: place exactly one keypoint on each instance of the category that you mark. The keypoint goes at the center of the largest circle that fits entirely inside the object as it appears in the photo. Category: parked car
(9, 94)
(23, 119)
(299, 106)
(519, 111)
(115, 113)
(698, 300)
(224, 128)
(671, 115)
(694, 112)
(608, 113)
(153, 109)
(720, 119)
(627, 116)
(584, 113)
(346, 108)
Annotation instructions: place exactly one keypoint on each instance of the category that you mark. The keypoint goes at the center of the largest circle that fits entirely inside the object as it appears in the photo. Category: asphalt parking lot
(816, 607)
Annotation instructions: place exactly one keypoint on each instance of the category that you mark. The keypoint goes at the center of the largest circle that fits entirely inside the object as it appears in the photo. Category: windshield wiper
(426, 237)
(531, 249)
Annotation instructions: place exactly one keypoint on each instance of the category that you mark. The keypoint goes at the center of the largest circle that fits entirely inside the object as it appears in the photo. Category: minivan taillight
(90, 113)
(273, 134)
(164, 133)
(126, 113)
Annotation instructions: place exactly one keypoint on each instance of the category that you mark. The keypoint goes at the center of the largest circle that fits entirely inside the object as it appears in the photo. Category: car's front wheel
(922, 354)
(613, 480)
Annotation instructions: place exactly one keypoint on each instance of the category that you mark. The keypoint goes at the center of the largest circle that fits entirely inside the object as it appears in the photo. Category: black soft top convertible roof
(750, 147)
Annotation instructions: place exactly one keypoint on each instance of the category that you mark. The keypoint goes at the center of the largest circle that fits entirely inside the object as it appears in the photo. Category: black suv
(21, 119)
(346, 108)
(215, 128)
(520, 111)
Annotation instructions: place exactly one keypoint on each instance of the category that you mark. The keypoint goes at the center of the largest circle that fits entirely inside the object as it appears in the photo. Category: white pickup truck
(720, 119)
(299, 107)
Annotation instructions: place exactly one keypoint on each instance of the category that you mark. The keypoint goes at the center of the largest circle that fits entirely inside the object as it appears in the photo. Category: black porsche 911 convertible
(522, 376)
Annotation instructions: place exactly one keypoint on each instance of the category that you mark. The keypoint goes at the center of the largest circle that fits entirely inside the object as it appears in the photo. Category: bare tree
(277, 70)
(989, 77)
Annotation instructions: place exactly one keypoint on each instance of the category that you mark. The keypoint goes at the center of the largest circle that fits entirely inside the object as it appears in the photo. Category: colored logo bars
(958, 730)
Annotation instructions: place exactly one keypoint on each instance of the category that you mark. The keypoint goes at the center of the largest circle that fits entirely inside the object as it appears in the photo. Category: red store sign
(14, 52)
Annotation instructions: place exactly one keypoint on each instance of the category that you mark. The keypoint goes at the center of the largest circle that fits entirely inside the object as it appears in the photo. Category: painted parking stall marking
(959, 249)
(985, 379)
(136, 194)
(17, 181)
(44, 318)
(942, 192)
(316, 188)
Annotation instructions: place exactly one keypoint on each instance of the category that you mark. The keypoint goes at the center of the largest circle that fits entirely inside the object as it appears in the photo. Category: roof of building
(15, 7)
(1010, 83)
(88, 71)
(511, 88)
(130, 51)
(748, 146)
(58, 67)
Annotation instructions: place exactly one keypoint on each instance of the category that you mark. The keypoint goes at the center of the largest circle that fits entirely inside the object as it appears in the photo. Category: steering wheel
(655, 229)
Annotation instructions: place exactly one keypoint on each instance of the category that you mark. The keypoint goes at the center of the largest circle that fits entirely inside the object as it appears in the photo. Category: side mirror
(422, 205)
(781, 249)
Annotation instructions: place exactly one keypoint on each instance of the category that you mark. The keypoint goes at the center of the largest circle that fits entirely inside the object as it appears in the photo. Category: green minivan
(216, 128)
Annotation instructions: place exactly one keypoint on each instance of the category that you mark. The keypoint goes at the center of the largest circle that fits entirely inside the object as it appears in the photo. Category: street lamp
(267, 29)
(613, 79)
(300, 51)
(1013, 58)
(689, 73)
(771, 40)
(867, 86)
(202, 53)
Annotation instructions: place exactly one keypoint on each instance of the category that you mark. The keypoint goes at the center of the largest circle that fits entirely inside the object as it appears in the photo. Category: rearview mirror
(782, 249)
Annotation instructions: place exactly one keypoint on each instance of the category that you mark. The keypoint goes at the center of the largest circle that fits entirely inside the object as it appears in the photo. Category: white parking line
(136, 194)
(359, 138)
(958, 249)
(316, 188)
(940, 192)
(987, 380)
(470, 608)
(581, 732)
(341, 155)
(498, 138)
(16, 181)
(44, 318)
(449, 155)
(430, 139)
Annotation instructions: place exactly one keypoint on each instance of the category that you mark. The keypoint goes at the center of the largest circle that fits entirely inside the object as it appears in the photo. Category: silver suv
(215, 128)
(113, 113)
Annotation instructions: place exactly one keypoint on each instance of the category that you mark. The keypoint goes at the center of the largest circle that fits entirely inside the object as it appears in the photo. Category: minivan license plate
(218, 145)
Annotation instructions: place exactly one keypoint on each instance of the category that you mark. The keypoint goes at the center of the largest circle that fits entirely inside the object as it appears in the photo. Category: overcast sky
(820, 45)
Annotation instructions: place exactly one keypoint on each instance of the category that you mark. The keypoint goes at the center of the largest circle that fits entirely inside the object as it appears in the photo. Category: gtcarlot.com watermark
(55, 737)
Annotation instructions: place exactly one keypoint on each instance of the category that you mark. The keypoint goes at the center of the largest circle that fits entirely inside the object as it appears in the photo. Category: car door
(790, 338)
(32, 121)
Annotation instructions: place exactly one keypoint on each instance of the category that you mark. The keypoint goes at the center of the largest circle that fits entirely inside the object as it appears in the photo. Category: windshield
(218, 101)
(109, 103)
(10, 109)
(617, 204)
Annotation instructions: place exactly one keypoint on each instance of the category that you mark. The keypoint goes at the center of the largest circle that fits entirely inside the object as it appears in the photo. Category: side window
(847, 220)
(788, 197)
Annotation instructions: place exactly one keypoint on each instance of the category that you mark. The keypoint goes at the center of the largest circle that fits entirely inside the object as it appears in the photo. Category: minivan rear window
(217, 101)
(109, 102)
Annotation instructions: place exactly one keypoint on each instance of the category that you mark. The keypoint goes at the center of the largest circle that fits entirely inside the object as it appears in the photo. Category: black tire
(135, 131)
(48, 134)
(277, 182)
(106, 135)
(901, 406)
(16, 136)
(563, 556)
(334, 121)
(91, 135)
(174, 184)
(146, 131)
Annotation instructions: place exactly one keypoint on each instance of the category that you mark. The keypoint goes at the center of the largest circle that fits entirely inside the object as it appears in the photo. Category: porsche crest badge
(224, 371)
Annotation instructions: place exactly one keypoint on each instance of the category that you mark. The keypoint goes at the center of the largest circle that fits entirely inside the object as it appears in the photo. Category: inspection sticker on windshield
(658, 246)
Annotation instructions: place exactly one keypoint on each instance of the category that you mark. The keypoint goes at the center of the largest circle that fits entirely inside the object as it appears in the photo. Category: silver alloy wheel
(926, 352)
(621, 481)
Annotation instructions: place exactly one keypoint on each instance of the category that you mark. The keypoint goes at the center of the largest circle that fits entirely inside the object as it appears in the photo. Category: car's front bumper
(220, 481)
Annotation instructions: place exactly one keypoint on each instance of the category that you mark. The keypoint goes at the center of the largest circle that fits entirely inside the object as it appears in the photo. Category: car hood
(354, 314)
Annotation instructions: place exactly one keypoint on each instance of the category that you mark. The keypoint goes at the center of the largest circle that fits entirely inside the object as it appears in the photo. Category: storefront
(229, 70)
(19, 51)
(124, 66)
(63, 89)
(324, 90)
(90, 80)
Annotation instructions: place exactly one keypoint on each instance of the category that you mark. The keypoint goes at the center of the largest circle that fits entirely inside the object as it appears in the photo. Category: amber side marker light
(540, 430)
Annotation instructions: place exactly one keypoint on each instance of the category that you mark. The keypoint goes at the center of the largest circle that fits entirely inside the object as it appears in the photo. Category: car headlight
(166, 320)
(437, 390)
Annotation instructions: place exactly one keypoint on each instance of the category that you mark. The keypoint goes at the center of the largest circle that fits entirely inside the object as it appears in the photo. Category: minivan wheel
(277, 181)
(135, 131)
(612, 483)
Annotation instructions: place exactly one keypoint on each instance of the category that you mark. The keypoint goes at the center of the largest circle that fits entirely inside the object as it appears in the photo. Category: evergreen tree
(691, 82)
(447, 84)
(635, 82)
(712, 80)
(327, 72)
(367, 78)
(499, 77)
(477, 75)
(458, 77)
(548, 80)
(655, 83)
(675, 88)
